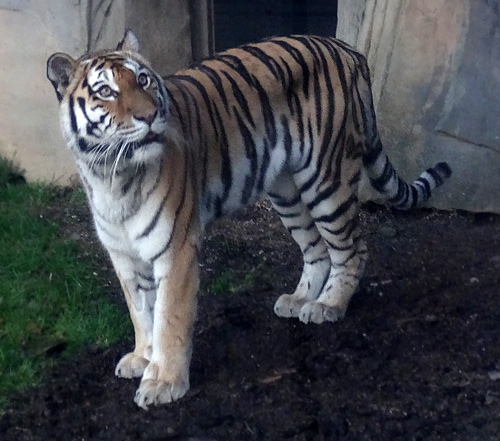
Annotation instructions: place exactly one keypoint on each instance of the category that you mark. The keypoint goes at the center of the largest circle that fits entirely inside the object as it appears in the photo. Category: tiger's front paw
(289, 305)
(317, 312)
(131, 366)
(160, 389)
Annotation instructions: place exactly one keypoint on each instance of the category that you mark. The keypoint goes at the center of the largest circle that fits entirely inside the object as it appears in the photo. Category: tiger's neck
(116, 195)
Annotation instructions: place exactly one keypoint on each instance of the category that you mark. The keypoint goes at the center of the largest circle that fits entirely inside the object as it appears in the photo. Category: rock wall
(31, 31)
(436, 81)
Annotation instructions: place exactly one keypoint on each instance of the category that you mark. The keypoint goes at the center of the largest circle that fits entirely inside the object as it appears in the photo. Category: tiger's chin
(123, 154)
(147, 153)
(147, 149)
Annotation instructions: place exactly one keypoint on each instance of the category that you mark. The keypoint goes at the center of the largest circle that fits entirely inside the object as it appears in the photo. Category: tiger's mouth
(150, 138)
(103, 153)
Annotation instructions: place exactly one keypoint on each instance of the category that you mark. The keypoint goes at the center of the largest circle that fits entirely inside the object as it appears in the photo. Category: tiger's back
(258, 109)
(289, 117)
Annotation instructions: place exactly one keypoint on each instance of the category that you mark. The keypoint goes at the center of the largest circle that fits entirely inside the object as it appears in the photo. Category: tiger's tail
(385, 180)
(383, 176)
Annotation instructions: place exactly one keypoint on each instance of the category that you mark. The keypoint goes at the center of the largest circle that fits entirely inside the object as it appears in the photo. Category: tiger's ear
(59, 69)
(129, 42)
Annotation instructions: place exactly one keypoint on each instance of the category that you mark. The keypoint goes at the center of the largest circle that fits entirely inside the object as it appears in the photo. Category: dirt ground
(415, 358)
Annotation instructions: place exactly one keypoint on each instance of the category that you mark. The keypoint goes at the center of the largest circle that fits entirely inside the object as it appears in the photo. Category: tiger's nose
(148, 117)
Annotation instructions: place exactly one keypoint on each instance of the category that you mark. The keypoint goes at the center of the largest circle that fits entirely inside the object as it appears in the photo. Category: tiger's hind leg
(285, 198)
(334, 208)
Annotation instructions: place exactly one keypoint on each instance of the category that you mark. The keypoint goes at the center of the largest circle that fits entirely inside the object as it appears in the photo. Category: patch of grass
(78, 197)
(50, 297)
(10, 172)
(230, 281)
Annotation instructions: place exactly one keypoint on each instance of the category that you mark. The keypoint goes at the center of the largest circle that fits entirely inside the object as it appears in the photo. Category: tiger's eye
(143, 80)
(105, 92)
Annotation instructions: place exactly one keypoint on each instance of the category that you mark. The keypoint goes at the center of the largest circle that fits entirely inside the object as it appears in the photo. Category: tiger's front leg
(139, 288)
(166, 377)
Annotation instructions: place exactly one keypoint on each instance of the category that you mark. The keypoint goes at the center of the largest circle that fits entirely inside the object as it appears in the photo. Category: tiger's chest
(141, 236)
(129, 216)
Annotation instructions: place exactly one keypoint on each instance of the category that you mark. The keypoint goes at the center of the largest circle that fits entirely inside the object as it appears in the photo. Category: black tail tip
(443, 169)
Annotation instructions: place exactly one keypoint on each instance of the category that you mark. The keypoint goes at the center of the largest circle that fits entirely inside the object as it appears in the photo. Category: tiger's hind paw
(288, 305)
(131, 366)
(318, 313)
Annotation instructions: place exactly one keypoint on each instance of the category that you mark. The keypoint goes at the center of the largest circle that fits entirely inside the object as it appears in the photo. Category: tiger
(161, 158)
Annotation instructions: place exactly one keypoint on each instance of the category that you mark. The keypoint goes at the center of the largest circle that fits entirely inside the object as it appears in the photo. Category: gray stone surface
(436, 78)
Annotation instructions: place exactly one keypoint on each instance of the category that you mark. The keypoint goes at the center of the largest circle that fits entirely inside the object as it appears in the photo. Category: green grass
(50, 295)
(229, 283)
(246, 278)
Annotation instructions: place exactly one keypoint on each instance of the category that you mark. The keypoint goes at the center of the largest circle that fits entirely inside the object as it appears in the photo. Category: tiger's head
(113, 106)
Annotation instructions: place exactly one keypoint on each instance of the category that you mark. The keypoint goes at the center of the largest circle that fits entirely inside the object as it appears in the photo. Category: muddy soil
(416, 357)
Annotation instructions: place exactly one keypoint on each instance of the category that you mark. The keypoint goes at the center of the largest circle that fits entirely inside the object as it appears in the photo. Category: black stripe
(156, 184)
(355, 179)
(283, 202)
(240, 98)
(300, 60)
(156, 217)
(315, 261)
(74, 126)
(227, 171)
(210, 106)
(347, 228)
(323, 195)
(308, 159)
(337, 247)
(83, 145)
(317, 100)
(146, 277)
(349, 257)
(379, 182)
(218, 206)
(251, 155)
(300, 127)
(237, 65)
(328, 129)
(144, 288)
(354, 103)
(188, 102)
(312, 244)
(268, 114)
(126, 187)
(436, 176)
(101, 227)
(316, 80)
(331, 99)
(176, 216)
(220, 133)
(263, 170)
(425, 186)
(179, 115)
(402, 192)
(287, 138)
(268, 61)
(291, 96)
(367, 131)
(216, 81)
(415, 198)
(288, 215)
(372, 154)
(339, 211)
(100, 66)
